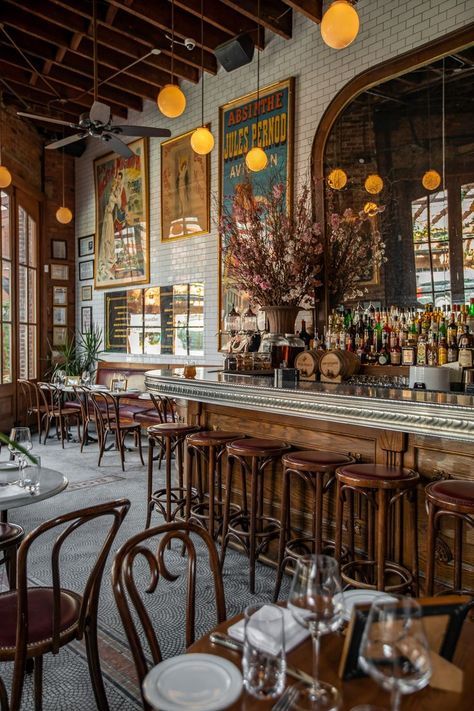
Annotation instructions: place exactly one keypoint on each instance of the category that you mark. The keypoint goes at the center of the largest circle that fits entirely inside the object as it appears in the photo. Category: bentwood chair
(109, 421)
(31, 399)
(58, 412)
(130, 581)
(38, 620)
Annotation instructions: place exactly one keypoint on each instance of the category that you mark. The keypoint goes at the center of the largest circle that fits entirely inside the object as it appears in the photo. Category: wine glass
(86, 377)
(317, 603)
(22, 436)
(394, 650)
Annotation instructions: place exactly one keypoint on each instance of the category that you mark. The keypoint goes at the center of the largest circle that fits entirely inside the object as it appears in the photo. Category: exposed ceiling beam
(312, 9)
(216, 14)
(274, 15)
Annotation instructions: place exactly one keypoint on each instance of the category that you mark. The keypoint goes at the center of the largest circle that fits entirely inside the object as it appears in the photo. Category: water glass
(22, 436)
(394, 650)
(264, 659)
(30, 476)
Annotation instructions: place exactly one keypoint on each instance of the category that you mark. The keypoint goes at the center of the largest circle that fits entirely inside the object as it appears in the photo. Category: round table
(12, 496)
(356, 691)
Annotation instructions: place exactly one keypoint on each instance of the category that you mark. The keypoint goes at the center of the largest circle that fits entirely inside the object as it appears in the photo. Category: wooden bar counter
(431, 432)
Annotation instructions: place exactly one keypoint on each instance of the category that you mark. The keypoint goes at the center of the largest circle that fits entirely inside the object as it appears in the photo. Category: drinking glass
(22, 436)
(86, 377)
(264, 659)
(31, 475)
(394, 650)
(317, 603)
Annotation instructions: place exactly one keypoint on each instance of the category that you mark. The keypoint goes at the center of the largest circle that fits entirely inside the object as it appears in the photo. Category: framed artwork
(85, 246)
(86, 319)
(60, 272)
(60, 295)
(86, 270)
(237, 135)
(59, 335)
(86, 293)
(122, 248)
(185, 189)
(59, 249)
(59, 315)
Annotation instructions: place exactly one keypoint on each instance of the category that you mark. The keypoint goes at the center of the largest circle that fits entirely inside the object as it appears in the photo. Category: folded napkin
(294, 632)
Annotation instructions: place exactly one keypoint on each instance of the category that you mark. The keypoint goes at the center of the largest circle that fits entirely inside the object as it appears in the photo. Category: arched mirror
(395, 162)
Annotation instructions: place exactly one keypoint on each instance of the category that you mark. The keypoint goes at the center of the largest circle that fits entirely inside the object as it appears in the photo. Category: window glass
(467, 226)
(6, 353)
(431, 249)
(6, 291)
(5, 224)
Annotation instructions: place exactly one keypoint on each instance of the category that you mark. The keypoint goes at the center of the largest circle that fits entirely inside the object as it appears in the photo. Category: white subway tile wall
(388, 29)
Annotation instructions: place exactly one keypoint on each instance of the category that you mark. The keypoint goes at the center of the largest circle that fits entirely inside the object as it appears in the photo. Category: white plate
(195, 682)
(6, 466)
(361, 597)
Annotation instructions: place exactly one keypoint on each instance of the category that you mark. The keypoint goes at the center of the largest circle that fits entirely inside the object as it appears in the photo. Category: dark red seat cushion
(10, 531)
(74, 404)
(455, 491)
(376, 472)
(40, 615)
(323, 459)
(203, 439)
(170, 429)
(131, 410)
(255, 446)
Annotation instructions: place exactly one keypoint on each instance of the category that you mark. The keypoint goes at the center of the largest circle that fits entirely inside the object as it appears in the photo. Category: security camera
(189, 44)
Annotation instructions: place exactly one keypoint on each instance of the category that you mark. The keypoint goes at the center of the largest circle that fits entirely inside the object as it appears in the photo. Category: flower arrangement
(355, 249)
(273, 256)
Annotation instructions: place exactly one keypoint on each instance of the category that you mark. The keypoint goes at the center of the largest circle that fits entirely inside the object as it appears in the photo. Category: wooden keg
(307, 363)
(337, 365)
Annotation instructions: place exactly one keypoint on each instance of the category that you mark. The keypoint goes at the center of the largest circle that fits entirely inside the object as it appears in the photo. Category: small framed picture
(86, 270)
(85, 246)
(86, 293)
(86, 319)
(60, 295)
(59, 335)
(60, 272)
(59, 249)
(59, 315)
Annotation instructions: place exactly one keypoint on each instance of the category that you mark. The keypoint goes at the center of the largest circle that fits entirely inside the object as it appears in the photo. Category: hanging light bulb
(64, 215)
(371, 209)
(256, 159)
(171, 100)
(431, 180)
(5, 177)
(337, 179)
(374, 184)
(340, 24)
(202, 140)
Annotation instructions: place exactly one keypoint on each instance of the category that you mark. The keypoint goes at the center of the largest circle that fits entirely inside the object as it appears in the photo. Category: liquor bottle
(304, 335)
(368, 333)
(421, 350)
(404, 332)
(409, 353)
(470, 316)
(384, 356)
(453, 352)
(377, 331)
(464, 338)
(393, 339)
(452, 329)
(414, 330)
(432, 351)
(442, 351)
(395, 355)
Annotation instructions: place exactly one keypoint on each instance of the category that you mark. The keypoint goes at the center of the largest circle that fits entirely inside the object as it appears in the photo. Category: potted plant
(79, 354)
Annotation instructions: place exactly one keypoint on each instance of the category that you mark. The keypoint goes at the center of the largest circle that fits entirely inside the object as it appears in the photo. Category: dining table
(12, 495)
(358, 691)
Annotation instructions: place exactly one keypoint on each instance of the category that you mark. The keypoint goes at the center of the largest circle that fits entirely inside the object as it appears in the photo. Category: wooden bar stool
(316, 470)
(252, 529)
(385, 488)
(453, 499)
(11, 535)
(204, 450)
(170, 501)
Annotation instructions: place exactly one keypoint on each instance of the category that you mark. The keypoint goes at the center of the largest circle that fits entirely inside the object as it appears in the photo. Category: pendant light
(202, 140)
(5, 175)
(373, 184)
(256, 159)
(340, 24)
(337, 179)
(431, 179)
(63, 214)
(171, 100)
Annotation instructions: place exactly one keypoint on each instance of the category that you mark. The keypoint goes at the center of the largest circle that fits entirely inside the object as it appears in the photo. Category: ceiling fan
(97, 123)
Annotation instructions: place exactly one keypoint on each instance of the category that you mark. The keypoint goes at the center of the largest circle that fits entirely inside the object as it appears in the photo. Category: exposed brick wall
(387, 29)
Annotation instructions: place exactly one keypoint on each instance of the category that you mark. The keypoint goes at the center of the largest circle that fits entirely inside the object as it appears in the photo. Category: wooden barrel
(337, 365)
(307, 363)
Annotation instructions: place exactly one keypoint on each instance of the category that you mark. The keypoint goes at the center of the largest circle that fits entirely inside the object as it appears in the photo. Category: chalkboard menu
(116, 321)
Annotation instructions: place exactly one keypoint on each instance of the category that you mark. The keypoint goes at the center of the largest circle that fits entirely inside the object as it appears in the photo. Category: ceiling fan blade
(142, 131)
(118, 146)
(48, 119)
(66, 141)
(100, 112)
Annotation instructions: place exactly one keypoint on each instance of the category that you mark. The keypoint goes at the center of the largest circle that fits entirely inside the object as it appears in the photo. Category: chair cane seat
(40, 617)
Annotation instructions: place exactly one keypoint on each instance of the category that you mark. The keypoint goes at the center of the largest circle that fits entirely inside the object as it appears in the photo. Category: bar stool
(169, 438)
(11, 535)
(207, 448)
(317, 470)
(384, 488)
(252, 529)
(453, 499)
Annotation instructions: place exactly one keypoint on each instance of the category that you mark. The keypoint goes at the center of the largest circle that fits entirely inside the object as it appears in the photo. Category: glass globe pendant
(171, 101)
(373, 184)
(431, 180)
(202, 140)
(337, 179)
(64, 215)
(340, 24)
(256, 159)
(5, 177)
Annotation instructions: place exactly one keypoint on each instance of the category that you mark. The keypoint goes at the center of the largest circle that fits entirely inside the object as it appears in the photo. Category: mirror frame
(425, 54)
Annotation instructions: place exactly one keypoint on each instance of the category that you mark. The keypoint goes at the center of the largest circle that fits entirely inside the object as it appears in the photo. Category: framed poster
(185, 189)
(59, 315)
(60, 272)
(59, 295)
(86, 319)
(116, 321)
(59, 335)
(237, 135)
(86, 270)
(85, 246)
(121, 200)
(58, 249)
(86, 293)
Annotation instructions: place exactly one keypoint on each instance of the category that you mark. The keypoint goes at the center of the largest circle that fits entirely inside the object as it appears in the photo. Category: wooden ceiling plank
(224, 18)
(274, 15)
(311, 9)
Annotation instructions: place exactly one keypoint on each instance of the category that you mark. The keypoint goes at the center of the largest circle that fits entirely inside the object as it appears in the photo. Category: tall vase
(281, 319)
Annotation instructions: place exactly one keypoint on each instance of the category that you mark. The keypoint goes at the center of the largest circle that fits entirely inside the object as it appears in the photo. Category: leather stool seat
(9, 532)
(379, 475)
(11, 535)
(452, 491)
(170, 428)
(312, 458)
(209, 437)
(255, 446)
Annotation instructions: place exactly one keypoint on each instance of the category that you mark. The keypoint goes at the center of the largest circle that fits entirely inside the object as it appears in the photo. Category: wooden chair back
(165, 408)
(128, 595)
(105, 408)
(82, 396)
(51, 396)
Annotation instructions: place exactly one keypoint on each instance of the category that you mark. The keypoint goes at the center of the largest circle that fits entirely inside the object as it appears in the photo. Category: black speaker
(235, 52)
